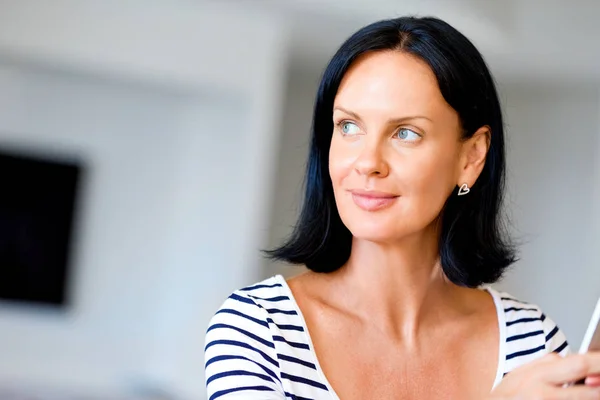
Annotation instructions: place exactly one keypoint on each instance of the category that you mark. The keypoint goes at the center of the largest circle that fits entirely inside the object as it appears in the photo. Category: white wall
(160, 223)
(553, 149)
(124, 136)
(190, 43)
(178, 126)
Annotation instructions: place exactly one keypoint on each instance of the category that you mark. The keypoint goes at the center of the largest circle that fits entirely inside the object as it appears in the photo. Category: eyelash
(408, 129)
(341, 123)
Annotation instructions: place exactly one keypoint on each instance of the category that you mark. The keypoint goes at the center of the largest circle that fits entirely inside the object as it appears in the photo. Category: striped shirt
(258, 346)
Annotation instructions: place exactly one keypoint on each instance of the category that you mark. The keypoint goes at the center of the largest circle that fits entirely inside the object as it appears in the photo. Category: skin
(388, 324)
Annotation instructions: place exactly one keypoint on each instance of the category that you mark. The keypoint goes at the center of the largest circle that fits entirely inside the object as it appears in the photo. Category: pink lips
(372, 200)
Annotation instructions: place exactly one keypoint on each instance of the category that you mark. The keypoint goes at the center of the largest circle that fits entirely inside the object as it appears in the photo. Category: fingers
(593, 380)
(548, 358)
(571, 368)
(576, 393)
(551, 377)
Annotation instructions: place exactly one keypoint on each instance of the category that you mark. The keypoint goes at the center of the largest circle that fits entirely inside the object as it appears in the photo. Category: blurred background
(149, 149)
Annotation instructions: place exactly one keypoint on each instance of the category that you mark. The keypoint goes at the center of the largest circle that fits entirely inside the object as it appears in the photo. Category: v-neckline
(501, 337)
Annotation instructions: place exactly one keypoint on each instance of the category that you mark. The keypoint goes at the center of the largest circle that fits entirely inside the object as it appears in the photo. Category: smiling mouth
(373, 201)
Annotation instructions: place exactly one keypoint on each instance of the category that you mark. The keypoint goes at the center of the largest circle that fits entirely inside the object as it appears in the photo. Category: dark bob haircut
(473, 247)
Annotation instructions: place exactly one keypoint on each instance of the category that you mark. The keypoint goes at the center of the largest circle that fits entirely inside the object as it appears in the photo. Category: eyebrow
(391, 120)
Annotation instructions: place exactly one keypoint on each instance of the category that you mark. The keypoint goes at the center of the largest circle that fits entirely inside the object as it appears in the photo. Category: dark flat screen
(37, 213)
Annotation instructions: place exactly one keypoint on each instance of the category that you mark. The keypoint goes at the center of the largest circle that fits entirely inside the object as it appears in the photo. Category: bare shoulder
(306, 287)
(314, 290)
(477, 304)
(317, 297)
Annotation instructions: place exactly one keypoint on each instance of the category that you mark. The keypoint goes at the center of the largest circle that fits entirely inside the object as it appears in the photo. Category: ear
(473, 155)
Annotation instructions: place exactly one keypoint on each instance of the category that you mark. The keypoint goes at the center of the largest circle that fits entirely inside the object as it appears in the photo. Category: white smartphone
(591, 340)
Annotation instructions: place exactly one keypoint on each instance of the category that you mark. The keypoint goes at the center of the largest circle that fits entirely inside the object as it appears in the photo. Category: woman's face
(396, 152)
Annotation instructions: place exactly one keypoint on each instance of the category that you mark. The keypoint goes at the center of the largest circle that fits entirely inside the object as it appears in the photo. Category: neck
(399, 287)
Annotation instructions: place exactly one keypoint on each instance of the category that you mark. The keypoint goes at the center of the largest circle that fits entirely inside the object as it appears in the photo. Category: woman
(400, 230)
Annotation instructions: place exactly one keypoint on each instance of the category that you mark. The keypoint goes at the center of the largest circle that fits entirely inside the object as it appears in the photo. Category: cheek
(341, 161)
(433, 177)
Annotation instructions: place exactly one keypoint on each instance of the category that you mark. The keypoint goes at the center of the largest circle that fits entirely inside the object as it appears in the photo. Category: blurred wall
(177, 126)
(129, 142)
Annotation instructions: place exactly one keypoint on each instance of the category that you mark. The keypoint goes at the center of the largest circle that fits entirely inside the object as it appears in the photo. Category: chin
(375, 231)
(376, 238)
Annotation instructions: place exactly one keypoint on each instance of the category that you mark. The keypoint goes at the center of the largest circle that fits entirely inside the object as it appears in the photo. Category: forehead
(391, 81)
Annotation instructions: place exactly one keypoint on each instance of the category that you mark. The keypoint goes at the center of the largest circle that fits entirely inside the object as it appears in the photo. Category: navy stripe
(522, 320)
(286, 327)
(561, 347)
(299, 379)
(250, 288)
(294, 397)
(242, 299)
(278, 311)
(231, 357)
(295, 360)
(273, 299)
(238, 373)
(543, 317)
(240, 314)
(218, 394)
(525, 352)
(505, 298)
(242, 331)
(524, 335)
(519, 309)
(297, 345)
(245, 346)
(551, 334)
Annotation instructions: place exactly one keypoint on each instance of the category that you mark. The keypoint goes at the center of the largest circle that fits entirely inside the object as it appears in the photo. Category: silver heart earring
(464, 189)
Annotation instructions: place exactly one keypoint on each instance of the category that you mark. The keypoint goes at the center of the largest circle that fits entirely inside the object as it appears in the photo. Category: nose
(372, 161)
